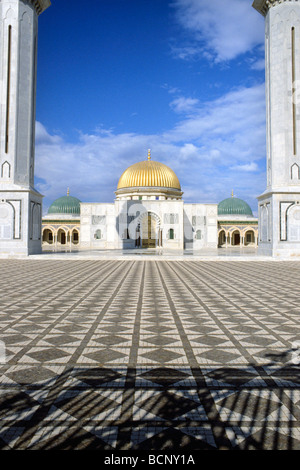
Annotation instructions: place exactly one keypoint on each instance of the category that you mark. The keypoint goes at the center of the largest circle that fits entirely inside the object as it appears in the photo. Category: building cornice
(40, 5)
(238, 222)
(154, 190)
(262, 6)
(46, 221)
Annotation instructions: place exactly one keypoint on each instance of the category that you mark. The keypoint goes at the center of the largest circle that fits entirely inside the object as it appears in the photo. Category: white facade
(279, 205)
(20, 203)
(124, 224)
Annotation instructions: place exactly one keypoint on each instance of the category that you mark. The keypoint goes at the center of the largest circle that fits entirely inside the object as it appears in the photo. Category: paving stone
(118, 355)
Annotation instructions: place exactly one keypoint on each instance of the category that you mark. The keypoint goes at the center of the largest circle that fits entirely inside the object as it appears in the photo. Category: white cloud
(43, 137)
(258, 64)
(184, 105)
(249, 167)
(237, 117)
(188, 151)
(171, 89)
(221, 29)
(187, 52)
(212, 151)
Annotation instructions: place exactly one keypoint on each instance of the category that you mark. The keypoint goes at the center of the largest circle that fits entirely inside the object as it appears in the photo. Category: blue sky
(184, 78)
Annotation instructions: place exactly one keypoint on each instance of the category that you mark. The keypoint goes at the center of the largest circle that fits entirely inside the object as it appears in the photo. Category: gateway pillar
(20, 203)
(279, 205)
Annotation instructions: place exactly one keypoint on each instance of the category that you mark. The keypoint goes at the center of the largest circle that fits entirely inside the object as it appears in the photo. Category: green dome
(234, 206)
(65, 205)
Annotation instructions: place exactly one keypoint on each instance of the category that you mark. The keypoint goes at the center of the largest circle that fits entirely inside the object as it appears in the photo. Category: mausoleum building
(148, 212)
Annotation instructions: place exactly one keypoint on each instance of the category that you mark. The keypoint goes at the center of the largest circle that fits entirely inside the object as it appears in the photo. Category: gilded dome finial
(149, 155)
(68, 192)
(232, 193)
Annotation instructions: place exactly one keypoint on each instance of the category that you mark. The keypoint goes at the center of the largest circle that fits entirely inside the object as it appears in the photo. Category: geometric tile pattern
(149, 355)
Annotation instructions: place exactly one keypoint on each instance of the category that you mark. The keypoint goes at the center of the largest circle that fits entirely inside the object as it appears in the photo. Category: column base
(20, 223)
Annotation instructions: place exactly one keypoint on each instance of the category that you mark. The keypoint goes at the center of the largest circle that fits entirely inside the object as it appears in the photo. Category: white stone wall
(98, 220)
(18, 53)
(283, 95)
(110, 222)
(167, 213)
(278, 232)
(279, 225)
(20, 223)
(201, 218)
(18, 60)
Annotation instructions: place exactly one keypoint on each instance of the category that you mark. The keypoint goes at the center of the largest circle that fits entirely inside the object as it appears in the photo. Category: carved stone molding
(40, 5)
(263, 5)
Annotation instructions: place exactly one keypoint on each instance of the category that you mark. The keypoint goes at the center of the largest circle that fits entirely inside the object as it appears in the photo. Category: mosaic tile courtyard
(154, 355)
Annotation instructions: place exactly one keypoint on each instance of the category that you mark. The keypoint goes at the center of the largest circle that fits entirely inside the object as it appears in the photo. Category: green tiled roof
(65, 205)
(234, 206)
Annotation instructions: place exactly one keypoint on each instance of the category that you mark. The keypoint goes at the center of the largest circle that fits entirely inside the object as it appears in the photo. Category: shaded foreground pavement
(154, 355)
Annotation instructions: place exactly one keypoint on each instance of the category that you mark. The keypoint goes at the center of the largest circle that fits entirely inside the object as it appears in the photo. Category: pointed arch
(295, 172)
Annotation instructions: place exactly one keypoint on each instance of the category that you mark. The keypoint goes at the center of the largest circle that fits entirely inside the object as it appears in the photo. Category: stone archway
(249, 237)
(6, 221)
(150, 230)
(75, 236)
(48, 236)
(222, 238)
(62, 237)
(236, 238)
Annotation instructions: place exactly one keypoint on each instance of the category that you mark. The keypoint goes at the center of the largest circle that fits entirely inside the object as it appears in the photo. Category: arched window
(198, 235)
(75, 237)
(249, 237)
(171, 235)
(61, 237)
(295, 172)
(98, 235)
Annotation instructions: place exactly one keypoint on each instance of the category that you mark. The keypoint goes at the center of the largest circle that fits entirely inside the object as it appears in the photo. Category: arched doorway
(48, 236)
(75, 237)
(148, 227)
(236, 238)
(149, 230)
(61, 237)
(222, 238)
(249, 238)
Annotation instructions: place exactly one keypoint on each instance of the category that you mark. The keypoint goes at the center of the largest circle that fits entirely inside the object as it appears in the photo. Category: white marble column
(21, 204)
(282, 59)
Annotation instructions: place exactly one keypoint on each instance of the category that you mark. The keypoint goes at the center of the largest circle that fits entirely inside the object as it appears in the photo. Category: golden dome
(149, 173)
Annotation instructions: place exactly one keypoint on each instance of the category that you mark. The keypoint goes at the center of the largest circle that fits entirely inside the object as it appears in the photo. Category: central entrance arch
(150, 230)
(236, 238)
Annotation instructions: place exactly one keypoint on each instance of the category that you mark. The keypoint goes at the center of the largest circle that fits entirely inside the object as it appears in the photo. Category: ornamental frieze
(263, 5)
